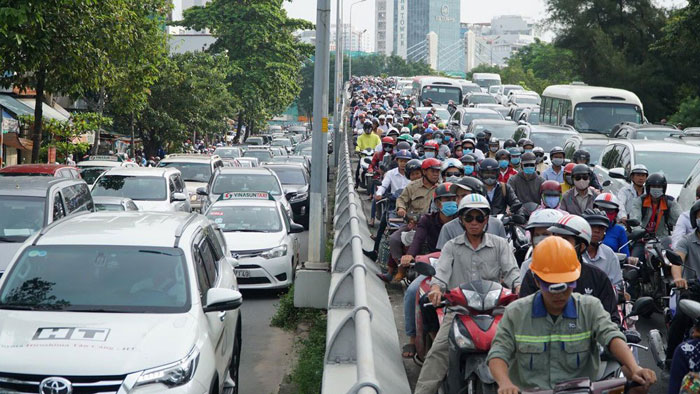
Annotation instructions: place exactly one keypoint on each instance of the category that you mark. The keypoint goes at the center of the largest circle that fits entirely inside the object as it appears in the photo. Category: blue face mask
(449, 208)
(429, 155)
(468, 169)
(529, 170)
(551, 201)
(515, 161)
(528, 150)
(467, 150)
(503, 163)
(447, 139)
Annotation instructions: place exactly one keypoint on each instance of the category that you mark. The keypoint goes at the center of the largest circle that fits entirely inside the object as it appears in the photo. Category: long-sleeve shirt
(686, 358)
(626, 195)
(615, 237)
(416, 197)
(461, 263)
(453, 229)
(527, 190)
(393, 181)
(606, 260)
(365, 141)
(682, 228)
(427, 233)
(574, 203)
(653, 216)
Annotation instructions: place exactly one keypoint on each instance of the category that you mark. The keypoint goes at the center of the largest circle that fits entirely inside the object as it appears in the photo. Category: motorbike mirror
(519, 219)
(633, 222)
(424, 269)
(633, 336)
(674, 257)
(642, 306)
(630, 275)
(637, 234)
(621, 257)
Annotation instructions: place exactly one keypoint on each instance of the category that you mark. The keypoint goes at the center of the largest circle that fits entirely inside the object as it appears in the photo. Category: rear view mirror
(637, 234)
(178, 197)
(607, 183)
(221, 299)
(633, 222)
(617, 173)
(642, 306)
(202, 191)
(296, 228)
(424, 269)
(673, 257)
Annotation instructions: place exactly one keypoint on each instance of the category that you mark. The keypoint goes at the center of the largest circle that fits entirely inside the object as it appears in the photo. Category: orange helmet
(554, 260)
(569, 167)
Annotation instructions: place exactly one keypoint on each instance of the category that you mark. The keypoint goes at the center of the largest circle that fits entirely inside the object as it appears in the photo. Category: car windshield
(191, 172)
(137, 188)
(109, 207)
(260, 154)
(281, 142)
(534, 117)
(254, 141)
(90, 174)
(304, 150)
(406, 91)
(441, 94)
(482, 99)
(675, 167)
(246, 219)
(500, 131)
(507, 90)
(290, 175)
(21, 217)
(547, 141)
(258, 182)
(470, 88)
(602, 117)
(98, 278)
(654, 134)
(228, 153)
(468, 117)
(594, 150)
(487, 83)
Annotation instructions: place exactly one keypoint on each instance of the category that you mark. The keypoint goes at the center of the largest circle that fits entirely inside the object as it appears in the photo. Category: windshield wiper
(11, 240)
(17, 307)
(243, 231)
(94, 310)
(593, 130)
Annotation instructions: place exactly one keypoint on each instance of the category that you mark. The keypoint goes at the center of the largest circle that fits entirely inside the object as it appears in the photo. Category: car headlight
(173, 374)
(275, 252)
(299, 197)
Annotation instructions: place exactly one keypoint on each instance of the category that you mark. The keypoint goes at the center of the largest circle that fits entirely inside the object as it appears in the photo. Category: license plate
(242, 273)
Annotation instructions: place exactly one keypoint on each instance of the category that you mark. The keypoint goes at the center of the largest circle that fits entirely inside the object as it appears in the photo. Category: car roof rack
(181, 228)
(56, 223)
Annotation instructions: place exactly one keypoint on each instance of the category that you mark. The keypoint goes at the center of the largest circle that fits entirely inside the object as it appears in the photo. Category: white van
(486, 80)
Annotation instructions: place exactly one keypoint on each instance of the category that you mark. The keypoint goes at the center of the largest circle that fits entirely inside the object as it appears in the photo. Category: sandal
(409, 350)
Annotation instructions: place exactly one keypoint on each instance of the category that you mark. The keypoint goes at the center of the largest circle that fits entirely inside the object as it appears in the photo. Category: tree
(688, 113)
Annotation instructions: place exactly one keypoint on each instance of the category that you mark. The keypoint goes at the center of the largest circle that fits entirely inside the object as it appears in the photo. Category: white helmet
(544, 218)
(449, 163)
(573, 225)
(607, 201)
(474, 201)
(405, 130)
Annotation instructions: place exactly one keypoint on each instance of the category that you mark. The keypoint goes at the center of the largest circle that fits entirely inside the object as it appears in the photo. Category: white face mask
(581, 184)
(407, 237)
(537, 239)
(656, 192)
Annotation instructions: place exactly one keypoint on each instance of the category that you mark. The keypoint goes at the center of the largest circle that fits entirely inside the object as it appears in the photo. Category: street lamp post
(350, 60)
(337, 113)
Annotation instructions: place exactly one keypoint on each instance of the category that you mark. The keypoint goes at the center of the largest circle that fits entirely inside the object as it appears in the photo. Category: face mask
(611, 216)
(581, 184)
(449, 208)
(367, 131)
(468, 169)
(551, 201)
(537, 239)
(515, 161)
(529, 170)
(528, 150)
(656, 192)
(503, 164)
(447, 139)
(493, 148)
(429, 155)
(468, 150)
(558, 161)
(387, 149)
(490, 181)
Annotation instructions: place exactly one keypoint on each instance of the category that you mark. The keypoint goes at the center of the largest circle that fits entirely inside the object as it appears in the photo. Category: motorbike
(387, 207)
(584, 386)
(365, 161)
(517, 237)
(479, 308)
(423, 338)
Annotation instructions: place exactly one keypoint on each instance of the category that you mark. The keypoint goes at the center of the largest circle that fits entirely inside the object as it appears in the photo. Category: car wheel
(235, 359)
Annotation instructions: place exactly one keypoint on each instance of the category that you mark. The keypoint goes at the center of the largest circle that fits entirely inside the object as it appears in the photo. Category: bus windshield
(442, 94)
(487, 83)
(602, 117)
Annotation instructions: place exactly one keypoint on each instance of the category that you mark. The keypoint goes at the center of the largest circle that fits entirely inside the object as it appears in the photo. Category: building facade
(384, 27)
(494, 43)
(441, 17)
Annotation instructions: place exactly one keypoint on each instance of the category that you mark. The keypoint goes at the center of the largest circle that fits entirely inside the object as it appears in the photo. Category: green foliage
(288, 316)
(688, 113)
(308, 373)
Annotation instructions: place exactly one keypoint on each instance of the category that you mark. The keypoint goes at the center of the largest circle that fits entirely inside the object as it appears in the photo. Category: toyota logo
(55, 385)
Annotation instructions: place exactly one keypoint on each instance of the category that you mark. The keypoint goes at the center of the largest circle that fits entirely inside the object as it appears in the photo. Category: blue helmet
(404, 154)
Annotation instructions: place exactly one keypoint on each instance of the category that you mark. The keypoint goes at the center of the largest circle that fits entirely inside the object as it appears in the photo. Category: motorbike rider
(469, 147)
(493, 147)
(553, 335)
(683, 225)
(638, 176)
(527, 184)
(551, 195)
(599, 254)
(452, 167)
(538, 227)
(469, 161)
(482, 143)
(501, 196)
(443, 149)
(515, 159)
(686, 364)
(615, 236)
(505, 169)
(416, 196)
(581, 156)
(568, 178)
(367, 140)
(474, 255)
(539, 154)
(556, 171)
(430, 149)
(377, 159)
(581, 197)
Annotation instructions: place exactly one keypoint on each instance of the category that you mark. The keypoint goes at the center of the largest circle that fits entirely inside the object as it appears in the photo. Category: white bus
(439, 90)
(590, 109)
(486, 80)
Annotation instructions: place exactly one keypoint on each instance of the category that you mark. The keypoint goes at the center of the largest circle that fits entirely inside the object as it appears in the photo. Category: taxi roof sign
(246, 196)
(104, 158)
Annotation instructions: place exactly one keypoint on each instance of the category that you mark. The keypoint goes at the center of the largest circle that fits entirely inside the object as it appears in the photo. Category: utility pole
(319, 134)
(338, 79)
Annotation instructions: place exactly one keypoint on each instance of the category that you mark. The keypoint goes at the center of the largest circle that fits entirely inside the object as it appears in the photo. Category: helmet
(471, 184)
(441, 125)
(430, 145)
(468, 140)
(573, 225)
(550, 188)
(468, 159)
(509, 143)
(474, 201)
(444, 190)
(487, 132)
(404, 154)
(412, 165)
(388, 140)
(521, 142)
(554, 260)
(403, 145)
(502, 154)
(468, 136)
(544, 218)
(639, 169)
(480, 135)
(538, 151)
(494, 142)
(514, 152)
(367, 125)
(580, 169)
(569, 168)
(555, 150)
(431, 163)
(405, 130)
(438, 135)
(452, 163)
(526, 141)
(606, 201)
(581, 155)
(488, 164)
(694, 214)
(596, 217)
(656, 179)
(393, 131)
(428, 130)
(528, 157)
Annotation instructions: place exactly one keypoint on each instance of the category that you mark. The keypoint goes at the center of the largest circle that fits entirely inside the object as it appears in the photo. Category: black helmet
(403, 145)
(596, 217)
(412, 165)
(582, 155)
(528, 156)
(444, 190)
(580, 169)
(480, 135)
(367, 125)
(438, 136)
(470, 183)
(501, 153)
(509, 143)
(521, 142)
(556, 149)
(468, 159)
(487, 132)
(526, 141)
(694, 214)
(494, 141)
(656, 179)
(488, 164)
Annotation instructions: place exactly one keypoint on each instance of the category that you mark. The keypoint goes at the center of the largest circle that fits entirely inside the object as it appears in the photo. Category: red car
(55, 170)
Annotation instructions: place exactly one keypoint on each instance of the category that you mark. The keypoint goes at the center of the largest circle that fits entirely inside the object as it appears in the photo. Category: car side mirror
(219, 300)
(617, 173)
(178, 197)
(202, 191)
(296, 228)
(424, 269)
(233, 262)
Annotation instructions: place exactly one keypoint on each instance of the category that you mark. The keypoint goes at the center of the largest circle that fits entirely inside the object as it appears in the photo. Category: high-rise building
(439, 16)
(384, 27)
(495, 42)
(186, 40)
(355, 40)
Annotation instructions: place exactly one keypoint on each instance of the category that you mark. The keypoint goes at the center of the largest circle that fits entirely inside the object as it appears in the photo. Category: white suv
(151, 189)
(121, 302)
(196, 170)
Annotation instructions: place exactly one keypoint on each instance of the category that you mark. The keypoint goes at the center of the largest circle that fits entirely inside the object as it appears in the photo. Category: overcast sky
(472, 10)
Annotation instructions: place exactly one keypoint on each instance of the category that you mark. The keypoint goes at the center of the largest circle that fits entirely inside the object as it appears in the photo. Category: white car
(121, 302)
(95, 165)
(151, 189)
(261, 237)
(196, 170)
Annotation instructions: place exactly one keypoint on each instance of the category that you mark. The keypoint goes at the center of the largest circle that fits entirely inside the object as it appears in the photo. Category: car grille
(253, 281)
(246, 254)
(247, 266)
(24, 383)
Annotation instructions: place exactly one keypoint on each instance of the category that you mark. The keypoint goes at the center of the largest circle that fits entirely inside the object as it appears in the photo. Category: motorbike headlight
(462, 339)
(491, 299)
(275, 252)
(299, 197)
(474, 300)
(171, 375)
